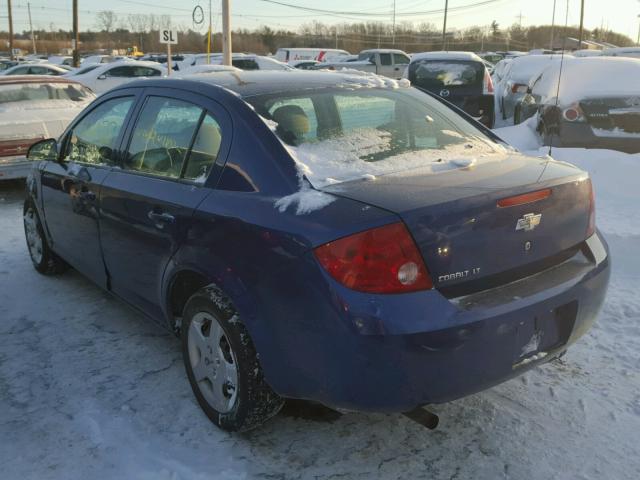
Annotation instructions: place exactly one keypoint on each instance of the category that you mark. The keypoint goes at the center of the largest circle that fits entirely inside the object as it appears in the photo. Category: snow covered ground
(91, 390)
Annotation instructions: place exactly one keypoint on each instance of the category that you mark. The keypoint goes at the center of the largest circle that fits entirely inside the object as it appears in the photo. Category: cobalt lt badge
(528, 222)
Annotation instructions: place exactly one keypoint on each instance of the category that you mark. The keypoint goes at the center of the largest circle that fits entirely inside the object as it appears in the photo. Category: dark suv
(460, 78)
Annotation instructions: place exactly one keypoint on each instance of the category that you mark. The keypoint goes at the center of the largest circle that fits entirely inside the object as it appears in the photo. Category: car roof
(9, 79)
(248, 83)
(470, 56)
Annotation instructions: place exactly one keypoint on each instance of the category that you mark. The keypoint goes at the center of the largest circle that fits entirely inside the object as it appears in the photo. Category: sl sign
(169, 37)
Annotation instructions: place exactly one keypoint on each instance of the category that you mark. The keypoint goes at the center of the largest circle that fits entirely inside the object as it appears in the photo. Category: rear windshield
(29, 92)
(342, 134)
(439, 74)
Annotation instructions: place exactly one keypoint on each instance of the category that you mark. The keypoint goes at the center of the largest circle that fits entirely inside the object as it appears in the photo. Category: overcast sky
(619, 15)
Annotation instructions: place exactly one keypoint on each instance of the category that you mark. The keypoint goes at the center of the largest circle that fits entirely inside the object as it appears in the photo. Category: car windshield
(32, 92)
(439, 74)
(342, 134)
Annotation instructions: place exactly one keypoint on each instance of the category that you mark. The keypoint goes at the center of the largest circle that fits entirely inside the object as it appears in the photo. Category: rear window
(27, 92)
(342, 134)
(440, 74)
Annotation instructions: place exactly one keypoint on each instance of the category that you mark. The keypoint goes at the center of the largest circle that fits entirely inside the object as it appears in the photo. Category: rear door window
(446, 74)
(204, 152)
(400, 59)
(162, 136)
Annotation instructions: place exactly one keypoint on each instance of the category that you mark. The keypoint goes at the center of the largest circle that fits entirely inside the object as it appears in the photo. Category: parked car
(242, 61)
(32, 108)
(288, 55)
(518, 79)
(105, 77)
(61, 60)
(598, 107)
(385, 62)
(35, 69)
(367, 248)
(461, 78)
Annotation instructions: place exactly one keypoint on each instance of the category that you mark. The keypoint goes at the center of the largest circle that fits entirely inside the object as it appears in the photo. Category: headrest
(292, 122)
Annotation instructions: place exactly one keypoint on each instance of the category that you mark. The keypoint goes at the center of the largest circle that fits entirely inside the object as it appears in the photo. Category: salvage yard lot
(91, 389)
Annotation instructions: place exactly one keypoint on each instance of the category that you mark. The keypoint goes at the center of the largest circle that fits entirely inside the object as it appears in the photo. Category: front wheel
(222, 364)
(44, 259)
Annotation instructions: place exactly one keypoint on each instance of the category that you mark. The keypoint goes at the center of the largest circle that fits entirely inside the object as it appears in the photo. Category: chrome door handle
(161, 218)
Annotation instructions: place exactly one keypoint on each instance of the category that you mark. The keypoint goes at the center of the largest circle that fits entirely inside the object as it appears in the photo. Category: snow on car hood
(21, 120)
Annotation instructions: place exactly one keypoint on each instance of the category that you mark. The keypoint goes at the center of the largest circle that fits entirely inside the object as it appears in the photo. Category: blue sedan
(332, 237)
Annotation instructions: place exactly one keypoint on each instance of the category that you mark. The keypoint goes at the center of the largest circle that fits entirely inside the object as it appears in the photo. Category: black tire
(254, 402)
(517, 115)
(44, 260)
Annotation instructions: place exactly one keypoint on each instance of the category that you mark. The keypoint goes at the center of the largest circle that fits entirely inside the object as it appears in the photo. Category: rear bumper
(580, 135)
(18, 167)
(397, 352)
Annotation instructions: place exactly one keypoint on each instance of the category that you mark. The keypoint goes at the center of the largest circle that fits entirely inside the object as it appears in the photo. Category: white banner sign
(169, 36)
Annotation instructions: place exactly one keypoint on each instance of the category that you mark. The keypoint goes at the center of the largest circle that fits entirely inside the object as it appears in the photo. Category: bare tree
(106, 20)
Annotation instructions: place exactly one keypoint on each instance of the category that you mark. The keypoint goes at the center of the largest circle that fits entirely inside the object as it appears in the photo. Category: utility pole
(581, 24)
(444, 26)
(76, 36)
(33, 38)
(209, 43)
(226, 32)
(553, 25)
(393, 28)
(10, 30)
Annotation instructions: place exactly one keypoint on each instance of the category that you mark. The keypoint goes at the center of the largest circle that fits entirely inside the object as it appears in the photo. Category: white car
(517, 79)
(33, 108)
(107, 76)
(35, 69)
(238, 60)
(61, 60)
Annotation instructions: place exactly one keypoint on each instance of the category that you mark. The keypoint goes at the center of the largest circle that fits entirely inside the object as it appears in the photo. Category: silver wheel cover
(212, 362)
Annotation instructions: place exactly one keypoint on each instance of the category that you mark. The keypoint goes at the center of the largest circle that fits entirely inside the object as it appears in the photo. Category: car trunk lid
(468, 242)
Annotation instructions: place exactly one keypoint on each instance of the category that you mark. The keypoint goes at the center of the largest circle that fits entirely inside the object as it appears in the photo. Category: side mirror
(44, 150)
(102, 77)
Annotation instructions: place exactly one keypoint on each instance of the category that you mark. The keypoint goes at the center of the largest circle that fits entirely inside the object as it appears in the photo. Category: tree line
(121, 32)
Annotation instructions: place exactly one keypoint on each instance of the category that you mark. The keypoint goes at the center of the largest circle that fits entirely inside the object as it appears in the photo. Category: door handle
(161, 218)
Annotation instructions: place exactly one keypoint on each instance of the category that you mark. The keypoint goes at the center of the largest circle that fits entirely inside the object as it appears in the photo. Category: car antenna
(564, 44)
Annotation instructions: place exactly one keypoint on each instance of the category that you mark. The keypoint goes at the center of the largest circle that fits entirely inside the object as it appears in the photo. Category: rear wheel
(44, 259)
(222, 364)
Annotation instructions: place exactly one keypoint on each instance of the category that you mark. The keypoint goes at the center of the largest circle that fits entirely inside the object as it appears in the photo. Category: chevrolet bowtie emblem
(528, 222)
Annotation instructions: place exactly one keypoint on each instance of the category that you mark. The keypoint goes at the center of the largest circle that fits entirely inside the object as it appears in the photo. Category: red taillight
(573, 113)
(380, 260)
(488, 83)
(525, 198)
(591, 226)
(519, 88)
